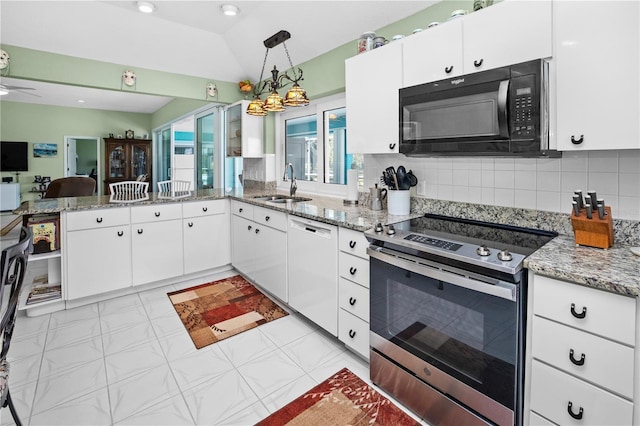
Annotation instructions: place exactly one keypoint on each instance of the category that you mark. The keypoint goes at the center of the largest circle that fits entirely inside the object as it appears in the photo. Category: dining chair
(13, 267)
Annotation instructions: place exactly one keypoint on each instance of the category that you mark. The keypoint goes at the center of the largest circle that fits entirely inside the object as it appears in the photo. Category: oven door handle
(447, 274)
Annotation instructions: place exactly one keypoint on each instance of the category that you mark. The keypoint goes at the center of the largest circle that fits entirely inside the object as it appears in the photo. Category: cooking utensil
(392, 176)
(403, 181)
(413, 180)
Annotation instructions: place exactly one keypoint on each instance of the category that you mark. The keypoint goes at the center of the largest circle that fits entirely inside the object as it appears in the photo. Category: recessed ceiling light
(229, 9)
(146, 7)
(80, 101)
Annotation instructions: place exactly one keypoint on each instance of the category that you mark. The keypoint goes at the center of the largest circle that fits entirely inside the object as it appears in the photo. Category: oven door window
(469, 335)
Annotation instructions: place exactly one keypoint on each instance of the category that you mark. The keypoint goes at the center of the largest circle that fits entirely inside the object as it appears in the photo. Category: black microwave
(499, 112)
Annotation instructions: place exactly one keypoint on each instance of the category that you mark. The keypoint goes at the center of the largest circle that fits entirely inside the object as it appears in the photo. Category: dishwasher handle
(309, 228)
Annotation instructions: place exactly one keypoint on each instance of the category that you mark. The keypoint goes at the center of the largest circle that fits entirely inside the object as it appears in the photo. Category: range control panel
(422, 239)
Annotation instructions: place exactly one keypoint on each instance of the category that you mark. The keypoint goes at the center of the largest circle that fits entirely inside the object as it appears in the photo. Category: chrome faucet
(294, 186)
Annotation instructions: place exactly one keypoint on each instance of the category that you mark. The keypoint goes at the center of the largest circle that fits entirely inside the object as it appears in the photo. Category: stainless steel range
(448, 300)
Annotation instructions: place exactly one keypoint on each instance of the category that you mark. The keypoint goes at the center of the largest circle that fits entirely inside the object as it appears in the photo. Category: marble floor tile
(34, 345)
(248, 416)
(128, 337)
(313, 349)
(281, 397)
(82, 313)
(90, 409)
(28, 326)
(119, 304)
(133, 361)
(137, 393)
(24, 370)
(64, 358)
(22, 397)
(60, 388)
(270, 372)
(71, 333)
(169, 412)
(123, 320)
(287, 329)
(218, 399)
(198, 367)
(246, 346)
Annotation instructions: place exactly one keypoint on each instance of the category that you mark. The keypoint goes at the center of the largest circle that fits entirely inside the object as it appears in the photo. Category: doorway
(82, 158)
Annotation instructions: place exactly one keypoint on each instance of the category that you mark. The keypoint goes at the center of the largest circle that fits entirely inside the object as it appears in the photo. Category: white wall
(540, 184)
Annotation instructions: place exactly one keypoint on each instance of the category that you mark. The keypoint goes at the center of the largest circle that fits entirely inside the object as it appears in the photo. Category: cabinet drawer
(603, 312)
(204, 208)
(537, 420)
(271, 218)
(553, 390)
(91, 219)
(353, 242)
(242, 209)
(354, 333)
(606, 363)
(354, 298)
(157, 212)
(354, 268)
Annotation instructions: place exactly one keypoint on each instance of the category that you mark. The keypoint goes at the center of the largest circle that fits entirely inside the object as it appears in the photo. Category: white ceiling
(194, 37)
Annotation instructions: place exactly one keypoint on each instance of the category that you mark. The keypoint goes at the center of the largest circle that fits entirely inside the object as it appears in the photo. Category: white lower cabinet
(96, 252)
(582, 366)
(353, 295)
(259, 247)
(206, 235)
(156, 251)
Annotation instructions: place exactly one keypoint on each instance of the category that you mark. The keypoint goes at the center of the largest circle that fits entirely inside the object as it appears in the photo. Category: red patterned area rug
(343, 399)
(220, 309)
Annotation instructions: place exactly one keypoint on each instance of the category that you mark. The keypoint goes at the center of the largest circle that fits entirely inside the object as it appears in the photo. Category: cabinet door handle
(204, 209)
(580, 315)
(392, 146)
(120, 233)
(266, 218)
(448, 69)
(576, 361)
(478, 63)
(240, 210)
(140, 231)
(352, 334)
(190, 224)
(572, 414)
(257, 230)
(577, 141)
(353, 270)
(352, 244)
(157, 214)
(249, 228)
(352, 301)
(99, 219)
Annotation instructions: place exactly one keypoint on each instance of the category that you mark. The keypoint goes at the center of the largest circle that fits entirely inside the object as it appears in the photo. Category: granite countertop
(616, 270)
(321, 208)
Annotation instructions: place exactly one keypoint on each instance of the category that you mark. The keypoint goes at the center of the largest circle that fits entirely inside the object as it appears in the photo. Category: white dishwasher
(312, 267)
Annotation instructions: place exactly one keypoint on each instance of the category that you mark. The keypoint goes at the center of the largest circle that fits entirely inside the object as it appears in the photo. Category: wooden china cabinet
(126, 159)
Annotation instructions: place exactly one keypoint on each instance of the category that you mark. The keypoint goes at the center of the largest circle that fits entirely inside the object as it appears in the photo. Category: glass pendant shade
(273, 103)
(255, 107)
(296, 96)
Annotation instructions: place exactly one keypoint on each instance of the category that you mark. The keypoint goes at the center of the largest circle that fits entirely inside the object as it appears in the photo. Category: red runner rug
(343, 399)
(220, 309)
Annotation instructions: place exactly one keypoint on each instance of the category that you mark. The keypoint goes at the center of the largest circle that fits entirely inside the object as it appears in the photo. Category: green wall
(43, 123)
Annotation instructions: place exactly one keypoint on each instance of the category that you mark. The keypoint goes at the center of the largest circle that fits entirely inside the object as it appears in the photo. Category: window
(314, 140)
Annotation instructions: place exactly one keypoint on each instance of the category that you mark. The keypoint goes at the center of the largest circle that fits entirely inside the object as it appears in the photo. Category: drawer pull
(204, 209)
(190, 224)
(353, 270)
(249, 228)
(140, 231)
(477, 63)
(572, 414)
(352, 244)
(448, 69)
(392, 146)
(266, 218)
(580, 315)
(257, 230)
(577, 141)
(352, 301)
(576, 361)
(99, 219)
(120, 233)
(157, 214)
(352, 334)
(240, 210)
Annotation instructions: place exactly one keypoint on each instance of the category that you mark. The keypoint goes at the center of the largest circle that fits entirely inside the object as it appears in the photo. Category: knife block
(593, 232)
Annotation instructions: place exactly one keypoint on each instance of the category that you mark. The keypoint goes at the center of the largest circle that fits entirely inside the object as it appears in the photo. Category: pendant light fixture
(296, 96)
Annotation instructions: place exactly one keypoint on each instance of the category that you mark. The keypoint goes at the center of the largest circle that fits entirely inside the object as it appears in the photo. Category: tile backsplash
(545, 184)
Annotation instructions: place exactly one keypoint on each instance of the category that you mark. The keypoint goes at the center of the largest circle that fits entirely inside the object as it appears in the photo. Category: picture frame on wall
(45, 150)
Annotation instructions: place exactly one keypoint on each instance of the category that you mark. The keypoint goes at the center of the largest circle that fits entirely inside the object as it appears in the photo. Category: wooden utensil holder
(593, 232)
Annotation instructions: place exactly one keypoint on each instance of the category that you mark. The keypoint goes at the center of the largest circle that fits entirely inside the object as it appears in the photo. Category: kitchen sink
(280, 199)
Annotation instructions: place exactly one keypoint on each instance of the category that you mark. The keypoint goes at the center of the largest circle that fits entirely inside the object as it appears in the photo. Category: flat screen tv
(14, 156)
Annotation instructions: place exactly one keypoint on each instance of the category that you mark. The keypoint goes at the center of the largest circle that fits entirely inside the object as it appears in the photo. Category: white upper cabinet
(507, 33)
(244, 132)
(433, 54)
(594, 40)
(372, 81)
